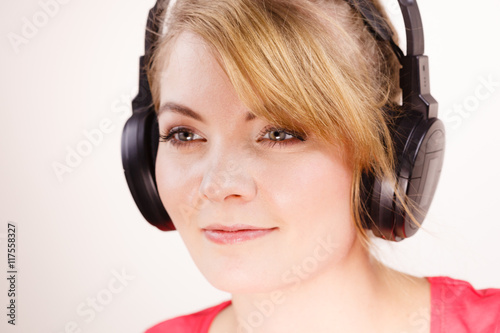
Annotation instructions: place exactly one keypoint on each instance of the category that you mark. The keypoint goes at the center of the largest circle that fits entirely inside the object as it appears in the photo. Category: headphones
(418, 136)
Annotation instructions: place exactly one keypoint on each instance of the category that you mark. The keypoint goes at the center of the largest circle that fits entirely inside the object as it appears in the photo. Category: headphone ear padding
(139, 146)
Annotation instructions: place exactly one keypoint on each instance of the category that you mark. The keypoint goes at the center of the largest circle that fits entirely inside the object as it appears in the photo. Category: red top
(455, 307)
(198, 322)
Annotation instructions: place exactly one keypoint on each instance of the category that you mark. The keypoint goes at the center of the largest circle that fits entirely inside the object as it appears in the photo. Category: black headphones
(419, 136)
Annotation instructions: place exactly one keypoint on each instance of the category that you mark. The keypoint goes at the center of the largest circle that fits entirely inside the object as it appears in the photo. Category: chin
(241, 283)
(238, 277)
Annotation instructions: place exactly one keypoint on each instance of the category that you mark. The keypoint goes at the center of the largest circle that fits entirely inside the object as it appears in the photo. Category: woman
(270, 113)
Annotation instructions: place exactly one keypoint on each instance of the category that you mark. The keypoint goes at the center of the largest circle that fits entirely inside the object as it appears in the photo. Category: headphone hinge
(415, 82)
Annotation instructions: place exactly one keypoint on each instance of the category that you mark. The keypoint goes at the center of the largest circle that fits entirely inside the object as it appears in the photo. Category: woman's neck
(358, 295)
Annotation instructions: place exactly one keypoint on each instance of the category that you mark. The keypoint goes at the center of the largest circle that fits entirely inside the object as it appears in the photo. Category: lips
(236, 233)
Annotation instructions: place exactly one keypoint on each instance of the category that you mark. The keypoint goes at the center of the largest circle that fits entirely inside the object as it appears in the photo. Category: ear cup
(419, 174)
(139, 147)
(419, 148)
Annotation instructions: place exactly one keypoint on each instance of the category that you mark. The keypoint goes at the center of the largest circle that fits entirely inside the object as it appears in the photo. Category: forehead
(193, 77)
(188, 65)
(188, 46)
(188, 55)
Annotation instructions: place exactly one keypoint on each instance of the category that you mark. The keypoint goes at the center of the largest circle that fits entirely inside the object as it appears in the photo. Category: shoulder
(457, 307)
(198, 322)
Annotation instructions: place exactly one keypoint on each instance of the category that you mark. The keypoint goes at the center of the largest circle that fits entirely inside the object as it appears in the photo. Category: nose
(227, 177)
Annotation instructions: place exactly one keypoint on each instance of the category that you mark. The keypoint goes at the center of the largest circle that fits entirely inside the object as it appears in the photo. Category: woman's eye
(185, 136)
(278, 135)
(180, 136)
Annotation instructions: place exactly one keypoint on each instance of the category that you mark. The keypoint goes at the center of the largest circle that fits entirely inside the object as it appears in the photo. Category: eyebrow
(186, 111)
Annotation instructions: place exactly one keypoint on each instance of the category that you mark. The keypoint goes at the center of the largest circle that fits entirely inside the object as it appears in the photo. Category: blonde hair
(306, 65)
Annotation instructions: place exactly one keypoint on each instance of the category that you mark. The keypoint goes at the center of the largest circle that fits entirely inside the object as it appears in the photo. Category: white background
(81, 67)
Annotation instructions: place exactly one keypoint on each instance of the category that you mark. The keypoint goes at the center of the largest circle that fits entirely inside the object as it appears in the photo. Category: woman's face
(220, 171)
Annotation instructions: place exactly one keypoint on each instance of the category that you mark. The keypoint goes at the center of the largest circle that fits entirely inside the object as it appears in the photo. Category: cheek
(311, 198)
(177, 188)
(317, 185)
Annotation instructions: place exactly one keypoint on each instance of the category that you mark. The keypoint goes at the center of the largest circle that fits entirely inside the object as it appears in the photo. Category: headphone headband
(414, 29)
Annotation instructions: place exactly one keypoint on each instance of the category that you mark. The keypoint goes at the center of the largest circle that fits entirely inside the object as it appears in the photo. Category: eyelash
(169, 137)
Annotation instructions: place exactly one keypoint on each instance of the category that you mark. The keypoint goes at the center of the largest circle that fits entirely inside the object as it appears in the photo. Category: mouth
(221, 234)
